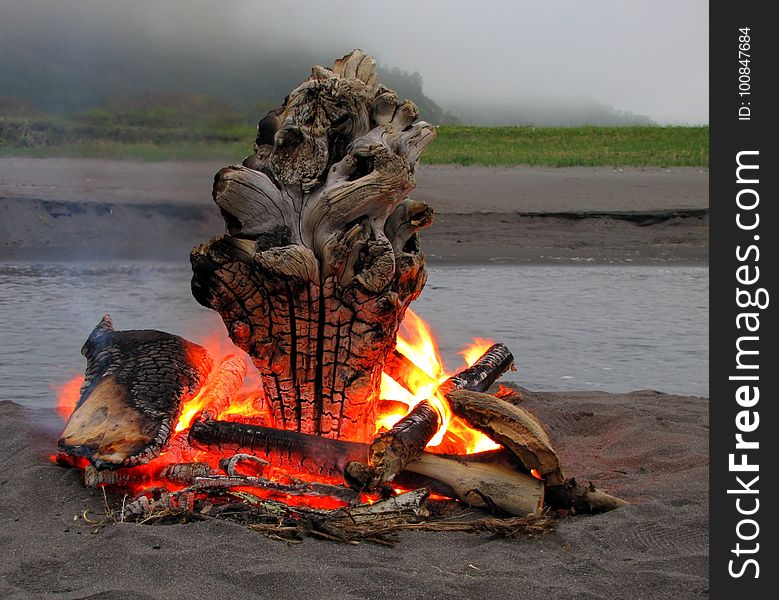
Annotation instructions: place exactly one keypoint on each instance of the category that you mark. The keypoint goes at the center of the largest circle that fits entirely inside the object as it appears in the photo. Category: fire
(219, 347)
(67, 395)
(473, 352)
(417, 344)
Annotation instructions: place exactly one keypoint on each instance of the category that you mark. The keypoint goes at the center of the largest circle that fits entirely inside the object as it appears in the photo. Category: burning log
(322, 258)
(135, 384)
(401, 369)
(223, 385)
(307, 454)
(393, 450)
(483, 373)
(485, 480)
(511, 426)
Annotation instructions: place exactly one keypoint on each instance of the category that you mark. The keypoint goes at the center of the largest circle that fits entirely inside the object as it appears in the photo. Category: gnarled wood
(135, 383)
(322, 258)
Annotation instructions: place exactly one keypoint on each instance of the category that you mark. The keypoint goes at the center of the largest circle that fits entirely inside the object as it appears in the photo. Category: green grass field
(571, 146)
(460, 145)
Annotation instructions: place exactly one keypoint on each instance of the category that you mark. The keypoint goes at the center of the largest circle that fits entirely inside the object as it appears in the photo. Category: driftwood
(488, 483)
(572, 496)
(392, 450)
(321, 258)
(412, 502)
(512, 427)
(135, 383)
(485, 480)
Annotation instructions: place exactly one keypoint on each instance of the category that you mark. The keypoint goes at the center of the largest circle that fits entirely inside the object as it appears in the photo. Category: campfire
(353, 418)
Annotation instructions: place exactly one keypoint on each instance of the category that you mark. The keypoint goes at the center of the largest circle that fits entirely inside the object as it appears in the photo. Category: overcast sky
(643, 56)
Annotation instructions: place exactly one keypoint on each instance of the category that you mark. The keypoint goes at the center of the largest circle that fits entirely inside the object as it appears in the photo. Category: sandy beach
(81, 209)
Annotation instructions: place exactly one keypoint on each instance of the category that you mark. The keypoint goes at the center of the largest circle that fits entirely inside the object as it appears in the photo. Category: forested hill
(67, 76)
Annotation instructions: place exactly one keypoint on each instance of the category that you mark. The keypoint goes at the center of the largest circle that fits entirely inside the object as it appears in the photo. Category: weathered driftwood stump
(321, 258)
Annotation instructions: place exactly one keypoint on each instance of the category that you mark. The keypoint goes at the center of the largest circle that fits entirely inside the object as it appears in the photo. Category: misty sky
(648, 57)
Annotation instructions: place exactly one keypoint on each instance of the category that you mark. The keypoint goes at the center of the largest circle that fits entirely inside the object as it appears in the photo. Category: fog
(482, 62)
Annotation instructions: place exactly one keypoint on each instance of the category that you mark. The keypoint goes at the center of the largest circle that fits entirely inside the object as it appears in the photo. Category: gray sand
(448, 189)
(99, 209)
(650, 448)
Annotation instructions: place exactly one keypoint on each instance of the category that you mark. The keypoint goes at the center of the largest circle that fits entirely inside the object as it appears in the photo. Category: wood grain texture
(321, 256)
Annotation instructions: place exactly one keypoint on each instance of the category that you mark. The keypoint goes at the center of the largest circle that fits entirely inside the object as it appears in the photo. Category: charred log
(135, 383)
(483, 373)
(304, 453)
(321, 258)
(392, 450)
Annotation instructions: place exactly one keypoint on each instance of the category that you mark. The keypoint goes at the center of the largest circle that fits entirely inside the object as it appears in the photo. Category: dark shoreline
(91, 209)
(60, 230)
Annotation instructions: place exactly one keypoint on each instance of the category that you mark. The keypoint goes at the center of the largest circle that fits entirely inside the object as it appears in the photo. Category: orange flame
(67, 395)
(417, 344)
(218, 347)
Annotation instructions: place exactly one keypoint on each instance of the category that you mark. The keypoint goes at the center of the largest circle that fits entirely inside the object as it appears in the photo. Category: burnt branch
(392, 450)
(483, 373)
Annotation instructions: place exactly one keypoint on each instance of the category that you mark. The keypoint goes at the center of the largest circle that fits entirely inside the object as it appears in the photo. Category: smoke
(647, 57)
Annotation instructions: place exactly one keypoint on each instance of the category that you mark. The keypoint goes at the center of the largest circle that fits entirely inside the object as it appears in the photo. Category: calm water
(570, 328)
